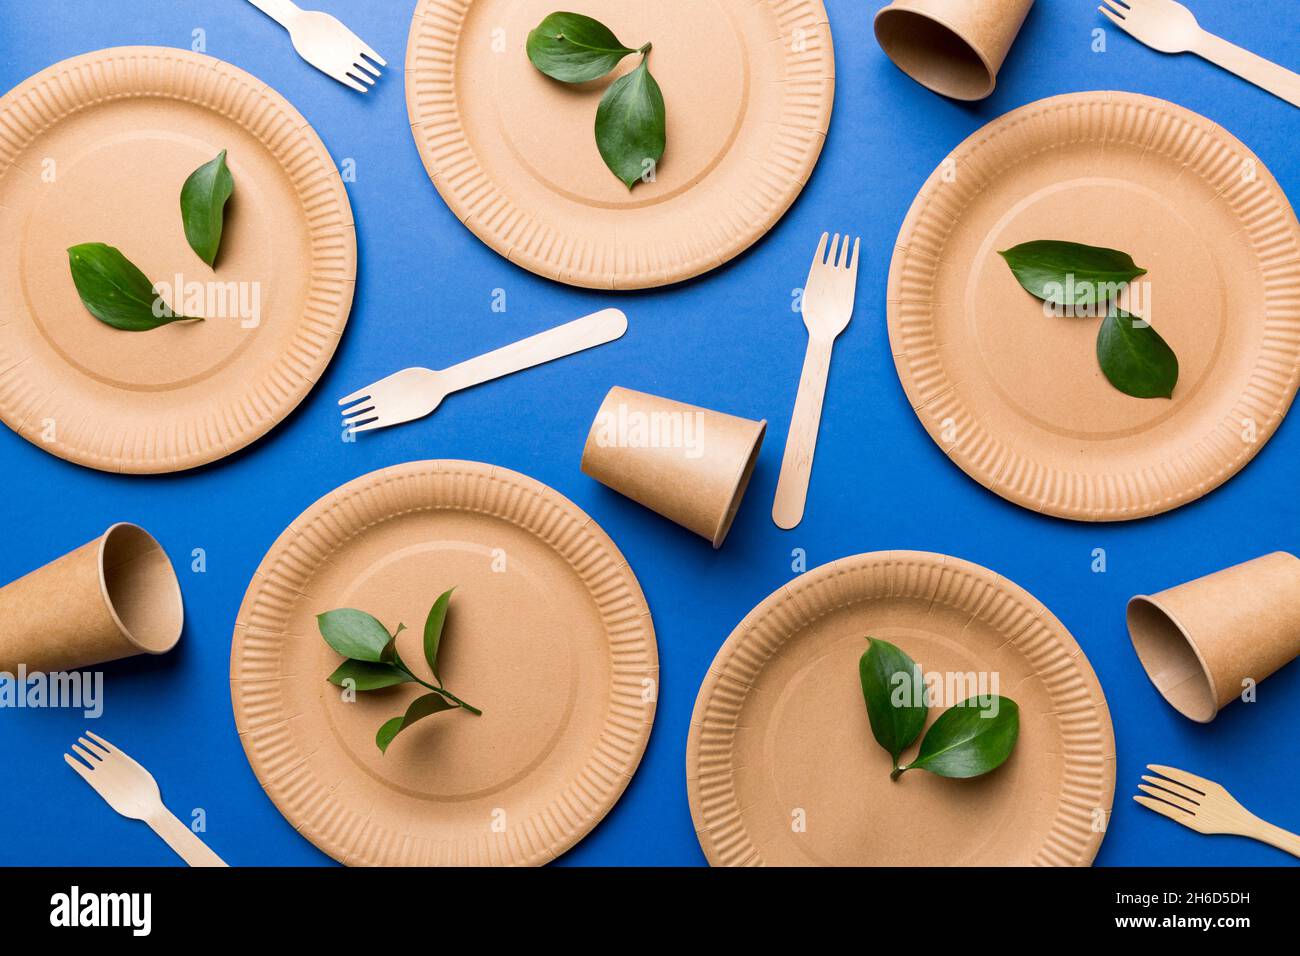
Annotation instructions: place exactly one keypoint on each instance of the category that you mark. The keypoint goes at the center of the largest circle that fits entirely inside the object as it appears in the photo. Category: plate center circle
(1042, 364)
(503, 649)
(124, 190)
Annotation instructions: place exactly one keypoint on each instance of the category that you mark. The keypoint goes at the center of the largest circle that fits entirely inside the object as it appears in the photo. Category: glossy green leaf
(631, 125)
(433, 625)
(1070, 273)
(114, 291)
(367, 675)
(354, 634)
(1134, 358)
(966, 741)
(420, 708)
(203, 206)
(572, 48)
(894, 694)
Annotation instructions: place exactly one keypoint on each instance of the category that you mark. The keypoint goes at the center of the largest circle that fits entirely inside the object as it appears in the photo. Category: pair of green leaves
(373, 662)
(1132, 355)
(966, 741)
(631, 123)
(112, 287)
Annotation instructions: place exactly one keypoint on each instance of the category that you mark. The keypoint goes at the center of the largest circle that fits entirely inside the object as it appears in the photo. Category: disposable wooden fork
(132, 791)
(1206, 807)
(1169, 27)
(827, 306)
(325, 43)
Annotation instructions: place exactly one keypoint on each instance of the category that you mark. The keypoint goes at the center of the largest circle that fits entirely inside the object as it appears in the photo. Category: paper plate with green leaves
(619, 146)
(444, 663)
(1092, 308)
(900, 708)
(177, 258)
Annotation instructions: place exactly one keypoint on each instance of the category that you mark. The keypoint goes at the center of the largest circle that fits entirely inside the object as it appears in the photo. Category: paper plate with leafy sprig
(619, 146)
(793, 760)
(1092, 306)
(444, 663)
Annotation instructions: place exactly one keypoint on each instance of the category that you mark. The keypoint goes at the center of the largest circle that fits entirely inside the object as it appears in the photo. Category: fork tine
(95, 749)
(372, 54)
(101, 741)
(821, 248)
(358, 395)
(1118, 21)
(1117, 7)
(1168, 796)
(849, 257)
(835, 250)
(360, 418)
(362, 62)
(359, 74)
(1173, 786)
(82, 770)
(85, 755)
(365, 405)
(348, 81)
(1189, 780)
(375, 423)
(1165, 809)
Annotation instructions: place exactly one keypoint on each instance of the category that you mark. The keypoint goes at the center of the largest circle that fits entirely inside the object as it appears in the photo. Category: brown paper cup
(689, 464)
(954, 47)
(116, 596)
(1199, 641)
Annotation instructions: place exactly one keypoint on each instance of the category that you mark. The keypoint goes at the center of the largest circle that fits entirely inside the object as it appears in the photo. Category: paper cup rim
(740, 484)
(942, 22)
(175, 587)
(1207, 675)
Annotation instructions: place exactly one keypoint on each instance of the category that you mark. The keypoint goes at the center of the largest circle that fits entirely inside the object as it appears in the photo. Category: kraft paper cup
(113, 597)
(1200, 641)
(689, 464)
(954, 47)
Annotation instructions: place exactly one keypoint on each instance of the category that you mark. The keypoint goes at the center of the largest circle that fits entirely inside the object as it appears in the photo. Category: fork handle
(1265, 74)
(281, 11)
(801, 441)
(584, 333)
(1266, 832)
(182, 839)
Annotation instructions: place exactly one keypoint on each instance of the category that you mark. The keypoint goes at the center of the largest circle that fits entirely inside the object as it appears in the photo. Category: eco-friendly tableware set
(545, 594)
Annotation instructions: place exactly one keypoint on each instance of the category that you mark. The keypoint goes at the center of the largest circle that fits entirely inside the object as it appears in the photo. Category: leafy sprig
(967, 740)
(631, 122)
(1132, 355)
(374, 663)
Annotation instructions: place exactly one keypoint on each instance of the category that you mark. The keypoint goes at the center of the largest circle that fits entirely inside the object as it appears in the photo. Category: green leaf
(892, 689)
(1069, 273)
(354, 634)
(420, 708)
(433, 630)
(203, 204)
(630, 125)
(114, 291)
(572, 48)
(1134, 357)
(966, 742)
(366, 675)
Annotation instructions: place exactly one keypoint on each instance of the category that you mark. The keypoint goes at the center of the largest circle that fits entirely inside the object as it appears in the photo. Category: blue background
(728, 340)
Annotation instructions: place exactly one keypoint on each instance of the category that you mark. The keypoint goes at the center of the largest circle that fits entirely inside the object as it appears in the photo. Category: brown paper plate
(748, 90)
(781, 767)
(96, 149)
(548, 633)
(1016, 398)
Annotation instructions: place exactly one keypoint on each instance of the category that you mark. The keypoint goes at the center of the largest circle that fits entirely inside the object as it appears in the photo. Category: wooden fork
(132, 791)
(1168, 26)
(1206, 807)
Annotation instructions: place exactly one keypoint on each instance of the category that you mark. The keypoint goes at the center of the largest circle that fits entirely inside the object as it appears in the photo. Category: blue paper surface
(728, 340)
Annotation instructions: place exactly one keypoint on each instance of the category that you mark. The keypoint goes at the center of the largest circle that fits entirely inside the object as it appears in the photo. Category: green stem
(897, 772)
(445, 693)
(644, 50)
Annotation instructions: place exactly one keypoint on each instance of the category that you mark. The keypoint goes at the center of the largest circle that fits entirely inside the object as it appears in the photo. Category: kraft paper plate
(747, 88)
(781, 767)
(96, 149)
(548, 634)
(1016, 398)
